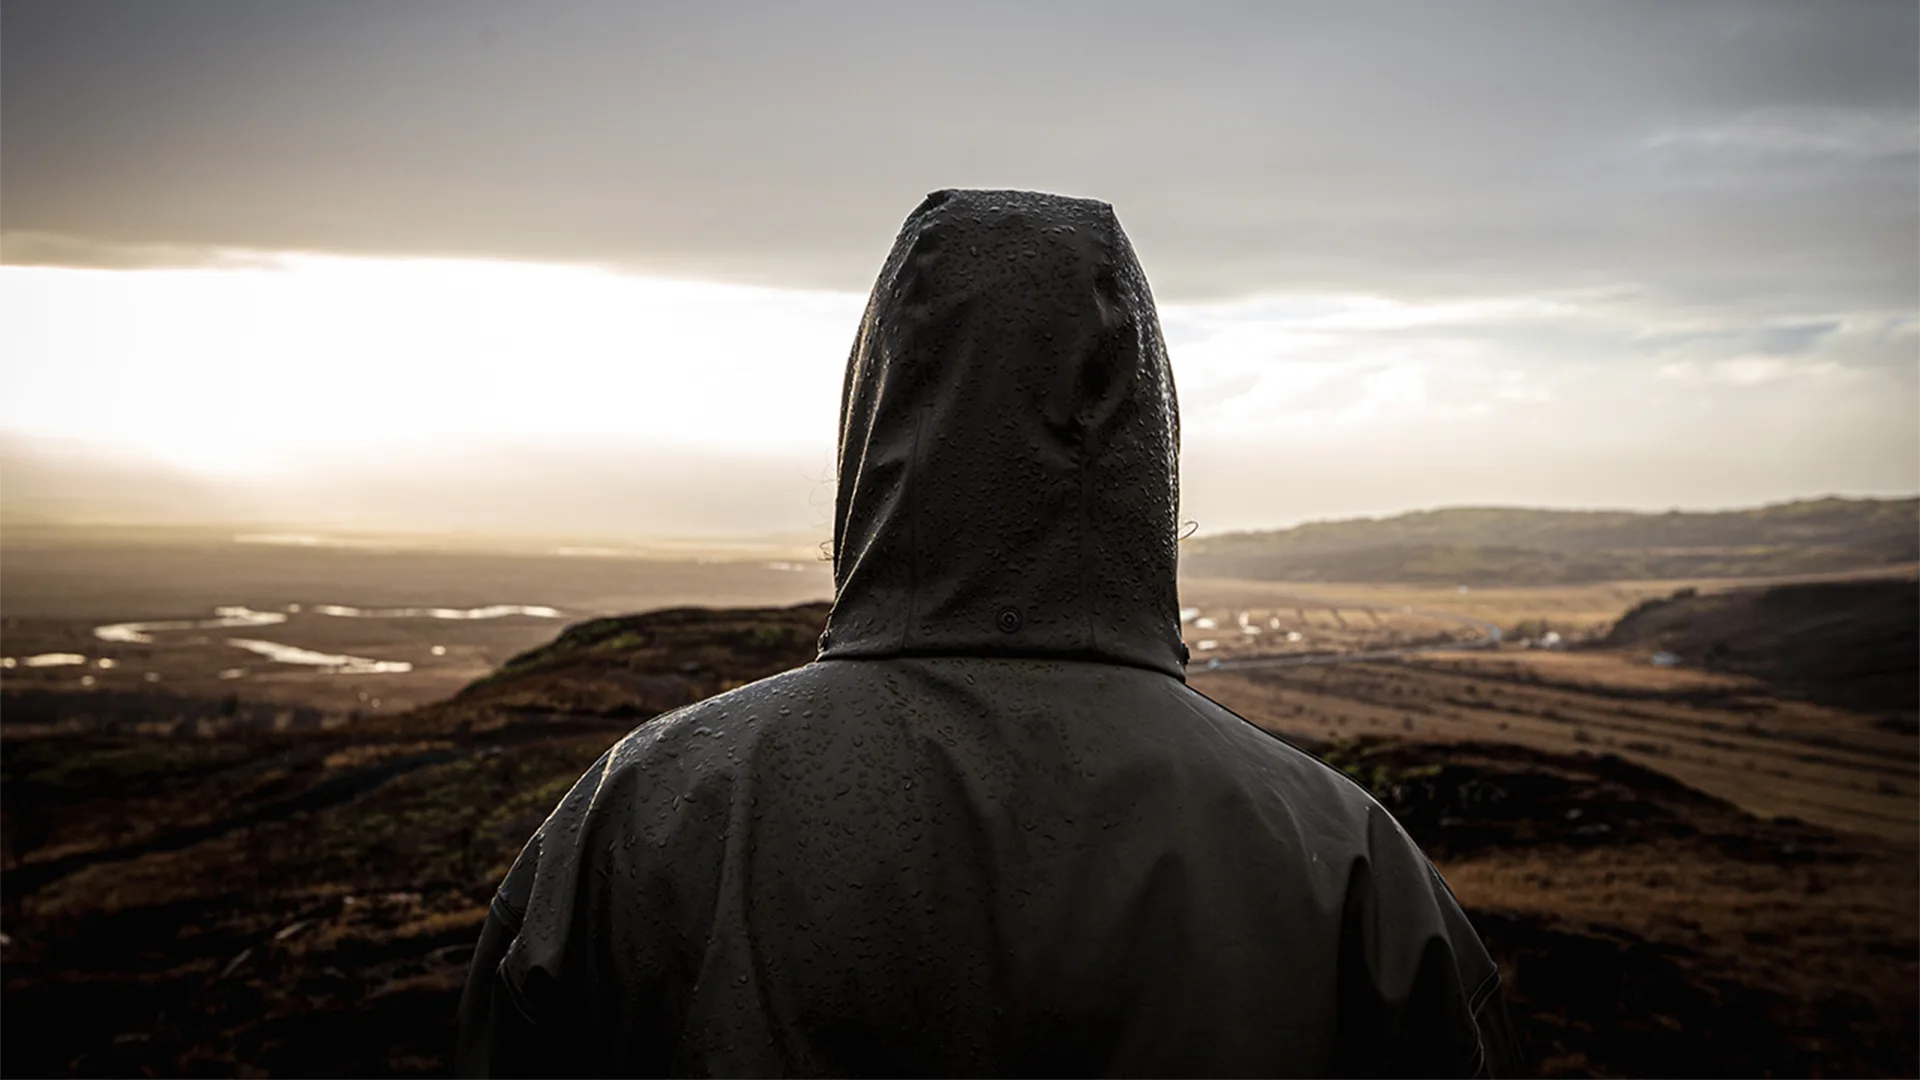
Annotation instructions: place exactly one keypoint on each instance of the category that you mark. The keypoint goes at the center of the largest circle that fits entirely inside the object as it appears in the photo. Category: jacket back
(990, 830)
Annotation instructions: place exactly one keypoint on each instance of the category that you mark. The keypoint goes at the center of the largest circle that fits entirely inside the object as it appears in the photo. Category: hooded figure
(990, 830)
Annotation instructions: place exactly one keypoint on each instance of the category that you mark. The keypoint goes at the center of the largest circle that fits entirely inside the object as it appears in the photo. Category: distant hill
(1502, 546)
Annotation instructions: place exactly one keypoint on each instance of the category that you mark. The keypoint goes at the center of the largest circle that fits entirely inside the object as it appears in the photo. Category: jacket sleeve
(1418, 994)
(495, 1035)
(518, 1014)
(1503, 1056)
(1500, 1052)
(503, 1030)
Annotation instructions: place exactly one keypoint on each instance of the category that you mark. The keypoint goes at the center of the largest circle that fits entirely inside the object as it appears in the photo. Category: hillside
(304, 902)
(1846, 643)
(1500, 546)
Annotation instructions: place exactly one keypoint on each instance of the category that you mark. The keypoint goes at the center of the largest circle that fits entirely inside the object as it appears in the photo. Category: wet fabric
(990, 830)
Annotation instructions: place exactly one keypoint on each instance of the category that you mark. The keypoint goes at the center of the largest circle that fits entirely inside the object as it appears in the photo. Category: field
(1704, 866)
(1726, 735)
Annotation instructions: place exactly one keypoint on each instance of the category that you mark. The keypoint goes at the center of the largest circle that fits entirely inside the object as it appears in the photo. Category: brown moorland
(1682, 870)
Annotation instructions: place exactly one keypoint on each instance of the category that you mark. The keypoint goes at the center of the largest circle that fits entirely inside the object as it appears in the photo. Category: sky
(598, 266)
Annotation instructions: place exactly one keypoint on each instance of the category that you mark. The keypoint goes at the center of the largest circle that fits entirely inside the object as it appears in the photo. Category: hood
(1008, 474)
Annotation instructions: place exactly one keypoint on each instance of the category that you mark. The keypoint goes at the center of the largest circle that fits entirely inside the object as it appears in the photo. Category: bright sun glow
(243, 370)
(299, 358)
(340, 367)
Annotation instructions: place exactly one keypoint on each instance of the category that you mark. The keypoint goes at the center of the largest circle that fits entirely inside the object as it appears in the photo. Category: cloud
(1749, 156)
(1779, 136)
(1406, 253)
(464, 394)
(1748, 371)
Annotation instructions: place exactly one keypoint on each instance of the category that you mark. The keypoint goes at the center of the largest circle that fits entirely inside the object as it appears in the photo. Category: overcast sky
(1408, 254)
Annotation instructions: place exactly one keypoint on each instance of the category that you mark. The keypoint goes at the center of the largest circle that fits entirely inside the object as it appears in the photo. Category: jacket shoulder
(725, 717)
(1274, 755)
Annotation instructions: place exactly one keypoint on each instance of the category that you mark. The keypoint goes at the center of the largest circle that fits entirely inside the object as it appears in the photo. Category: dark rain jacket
(990, 830)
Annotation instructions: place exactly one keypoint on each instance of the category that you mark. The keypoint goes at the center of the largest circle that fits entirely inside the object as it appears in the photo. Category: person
(990, 829)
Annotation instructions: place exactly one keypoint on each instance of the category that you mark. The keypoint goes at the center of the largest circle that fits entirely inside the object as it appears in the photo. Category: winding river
(235, 617)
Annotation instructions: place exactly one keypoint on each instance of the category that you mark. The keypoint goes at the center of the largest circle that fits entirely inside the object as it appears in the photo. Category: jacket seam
(509, 910)
(1087, 621)
(513, 918)
(1485, 991)
(914, 468)
(1475, 1002)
